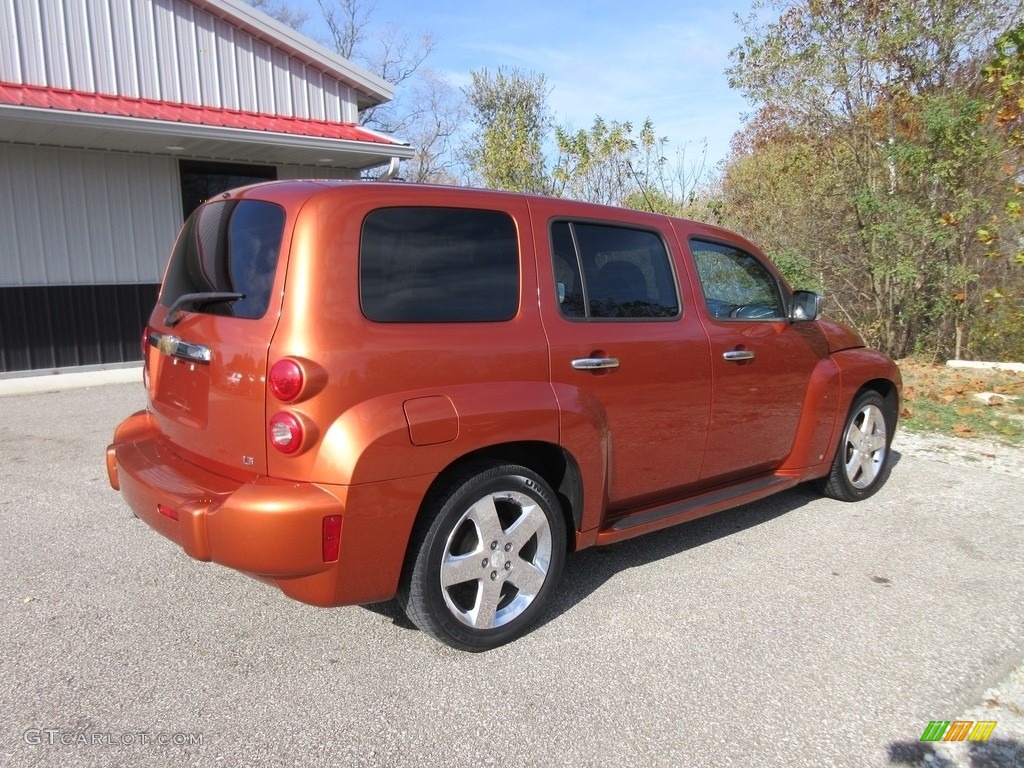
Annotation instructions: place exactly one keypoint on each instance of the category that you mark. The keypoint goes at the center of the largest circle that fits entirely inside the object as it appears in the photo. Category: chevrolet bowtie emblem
(168, 344)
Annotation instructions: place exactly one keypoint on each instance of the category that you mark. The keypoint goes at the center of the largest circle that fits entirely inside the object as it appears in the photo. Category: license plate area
(180, 383)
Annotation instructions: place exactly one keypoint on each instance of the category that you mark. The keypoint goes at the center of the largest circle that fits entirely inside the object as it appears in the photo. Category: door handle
(738, 355)
(595, 363)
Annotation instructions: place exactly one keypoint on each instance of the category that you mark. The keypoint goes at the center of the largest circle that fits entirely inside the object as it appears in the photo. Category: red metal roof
(151, 109)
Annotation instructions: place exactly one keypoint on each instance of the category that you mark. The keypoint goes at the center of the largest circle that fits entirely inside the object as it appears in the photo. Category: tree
(778, 192)
(510, 112)
(1000, 326)
(610, 165)
(904, 165)
(386, 51)
(438, 113)
(426, 112)
(595, 165)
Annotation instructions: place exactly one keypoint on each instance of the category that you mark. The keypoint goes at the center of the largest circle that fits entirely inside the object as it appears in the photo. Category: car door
(629, 363)
(761, 361)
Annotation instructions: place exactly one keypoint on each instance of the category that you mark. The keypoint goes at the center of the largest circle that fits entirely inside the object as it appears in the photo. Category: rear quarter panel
(495, 375)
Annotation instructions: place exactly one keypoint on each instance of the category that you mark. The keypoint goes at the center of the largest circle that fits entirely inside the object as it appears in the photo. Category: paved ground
(792, 632)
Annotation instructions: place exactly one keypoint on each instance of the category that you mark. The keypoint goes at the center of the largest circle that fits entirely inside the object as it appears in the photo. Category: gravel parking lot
(795, 631)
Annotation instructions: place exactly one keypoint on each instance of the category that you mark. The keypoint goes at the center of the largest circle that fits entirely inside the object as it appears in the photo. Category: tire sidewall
(426, 568)
(838, 480)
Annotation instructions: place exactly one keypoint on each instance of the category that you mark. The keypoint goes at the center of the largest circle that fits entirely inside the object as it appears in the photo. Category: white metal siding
(73, 217)
(82, 217)
(140, 20)
(281, 82)
(124, 52)
(167, 85)
(167, 50)
(79, 44)
(10, 49)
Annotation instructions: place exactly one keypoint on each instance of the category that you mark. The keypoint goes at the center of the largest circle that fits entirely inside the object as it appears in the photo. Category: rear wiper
(176, 313)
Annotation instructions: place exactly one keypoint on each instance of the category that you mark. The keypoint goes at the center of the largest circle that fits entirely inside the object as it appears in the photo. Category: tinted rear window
(230, 246)
(437, 265)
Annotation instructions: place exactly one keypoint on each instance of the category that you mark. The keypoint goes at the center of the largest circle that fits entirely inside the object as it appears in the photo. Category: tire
(485, 558)
(862, 461)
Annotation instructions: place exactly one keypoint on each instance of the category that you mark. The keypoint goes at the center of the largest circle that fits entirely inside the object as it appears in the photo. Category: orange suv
(358, 390)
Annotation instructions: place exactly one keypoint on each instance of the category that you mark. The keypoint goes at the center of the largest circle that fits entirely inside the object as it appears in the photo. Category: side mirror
(805, 305)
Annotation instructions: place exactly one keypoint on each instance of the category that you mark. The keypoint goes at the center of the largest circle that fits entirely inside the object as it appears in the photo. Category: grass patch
(941, 399)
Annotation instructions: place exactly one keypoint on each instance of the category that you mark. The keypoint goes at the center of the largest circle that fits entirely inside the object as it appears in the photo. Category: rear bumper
(271, 529)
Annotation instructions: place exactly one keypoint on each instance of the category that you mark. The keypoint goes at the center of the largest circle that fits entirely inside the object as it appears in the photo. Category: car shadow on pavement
(587, 571)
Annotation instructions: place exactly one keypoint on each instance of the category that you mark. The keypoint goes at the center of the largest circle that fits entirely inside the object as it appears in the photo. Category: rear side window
(438, 265)
(227, 247)
(612, 272)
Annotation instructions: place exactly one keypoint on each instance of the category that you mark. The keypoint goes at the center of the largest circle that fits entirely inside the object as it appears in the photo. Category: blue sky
(662, 59)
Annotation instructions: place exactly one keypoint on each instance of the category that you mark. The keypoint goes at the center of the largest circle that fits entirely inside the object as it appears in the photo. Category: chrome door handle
(595, 363)
(736, 355)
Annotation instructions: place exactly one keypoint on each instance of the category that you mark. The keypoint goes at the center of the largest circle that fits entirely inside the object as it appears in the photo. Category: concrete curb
(990, 366)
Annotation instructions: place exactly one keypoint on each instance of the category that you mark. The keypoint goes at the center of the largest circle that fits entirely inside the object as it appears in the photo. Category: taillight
(167, 511)
(332, 538)
(286, 380)
(285, 432)
(145, 341)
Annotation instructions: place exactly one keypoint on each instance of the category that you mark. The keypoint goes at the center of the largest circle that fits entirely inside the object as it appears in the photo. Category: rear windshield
(229, 246)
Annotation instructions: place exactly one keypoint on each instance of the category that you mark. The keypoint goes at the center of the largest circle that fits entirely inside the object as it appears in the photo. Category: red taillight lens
(167, 511)
(332, 538)
(145, 341)
(286, 380)
(285, 432)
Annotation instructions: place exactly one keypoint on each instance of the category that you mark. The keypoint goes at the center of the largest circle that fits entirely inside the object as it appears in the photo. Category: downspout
(392, 170)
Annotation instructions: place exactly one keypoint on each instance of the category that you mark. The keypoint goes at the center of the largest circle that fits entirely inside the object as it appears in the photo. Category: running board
(707, 503)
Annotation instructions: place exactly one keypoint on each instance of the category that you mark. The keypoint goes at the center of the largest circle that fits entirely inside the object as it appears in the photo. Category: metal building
(117, 117)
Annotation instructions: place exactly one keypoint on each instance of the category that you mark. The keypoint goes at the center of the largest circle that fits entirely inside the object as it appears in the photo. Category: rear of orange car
(194, 464)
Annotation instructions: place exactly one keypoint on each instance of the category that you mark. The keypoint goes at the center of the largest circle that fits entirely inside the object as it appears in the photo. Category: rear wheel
(485, 558)
(861, 465)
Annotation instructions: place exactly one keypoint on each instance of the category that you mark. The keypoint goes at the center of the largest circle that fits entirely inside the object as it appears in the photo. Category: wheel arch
(859, 465)
(889, 391)
(863, 370)
(548, 460)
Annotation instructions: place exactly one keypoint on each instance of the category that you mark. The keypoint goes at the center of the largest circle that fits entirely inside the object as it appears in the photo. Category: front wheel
(861, 465)
(484, 558)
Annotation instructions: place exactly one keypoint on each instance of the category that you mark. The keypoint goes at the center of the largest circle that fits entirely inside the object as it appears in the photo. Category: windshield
(227, 247)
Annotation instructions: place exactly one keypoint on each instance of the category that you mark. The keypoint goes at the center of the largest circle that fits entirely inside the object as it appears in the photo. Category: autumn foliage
(883, 164)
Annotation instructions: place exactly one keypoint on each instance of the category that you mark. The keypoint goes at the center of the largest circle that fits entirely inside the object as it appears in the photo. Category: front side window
(438, 265)
(612, 272)
(736, 285)
(227, 247)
